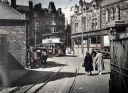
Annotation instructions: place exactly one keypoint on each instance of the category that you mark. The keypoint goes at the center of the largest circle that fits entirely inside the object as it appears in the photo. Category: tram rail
(31, 86)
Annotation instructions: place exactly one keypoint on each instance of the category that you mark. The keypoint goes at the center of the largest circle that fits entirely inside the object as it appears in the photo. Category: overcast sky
(58, 3)
(64, 4)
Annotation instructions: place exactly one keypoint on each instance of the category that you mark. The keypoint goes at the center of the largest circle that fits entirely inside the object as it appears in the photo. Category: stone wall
(119, 63)
(17, 40)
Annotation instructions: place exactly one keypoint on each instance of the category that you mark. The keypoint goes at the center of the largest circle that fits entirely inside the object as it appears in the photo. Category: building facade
(44, 22)
(90, 21)
(48, 23)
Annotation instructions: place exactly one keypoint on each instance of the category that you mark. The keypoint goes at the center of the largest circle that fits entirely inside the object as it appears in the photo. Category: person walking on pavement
(44, 57)
(99, 62)
(88, 63)
(93, 53)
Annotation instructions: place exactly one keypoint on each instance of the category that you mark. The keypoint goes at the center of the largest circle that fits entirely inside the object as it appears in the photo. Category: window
(94, 23)
(93, 40)
(78, 42)
(111, 14)
(76, 27)
(98, 39)
(114, 13)
(36, 15)
(117, 13)
(107, 15)
(84, 23)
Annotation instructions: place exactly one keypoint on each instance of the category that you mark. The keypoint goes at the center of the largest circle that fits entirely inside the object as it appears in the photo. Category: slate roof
(7, 12)
(107, 2)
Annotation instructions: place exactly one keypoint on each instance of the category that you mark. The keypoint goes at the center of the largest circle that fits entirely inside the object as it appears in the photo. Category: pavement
(95, 83)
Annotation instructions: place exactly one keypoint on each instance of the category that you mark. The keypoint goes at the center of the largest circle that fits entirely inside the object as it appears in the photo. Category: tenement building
(49, 24)
(44, 22)
(90, 21)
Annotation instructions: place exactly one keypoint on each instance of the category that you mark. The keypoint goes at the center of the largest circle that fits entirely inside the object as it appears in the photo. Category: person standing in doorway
(88, 63)
(99, 62)
(34, 57)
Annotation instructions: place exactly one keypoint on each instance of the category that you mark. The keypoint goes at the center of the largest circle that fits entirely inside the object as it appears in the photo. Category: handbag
(83, 65)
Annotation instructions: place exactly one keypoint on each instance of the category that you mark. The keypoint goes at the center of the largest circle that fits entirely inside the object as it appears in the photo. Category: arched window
(107, 15)
(111, 14)
(117, 13)
(114, 12)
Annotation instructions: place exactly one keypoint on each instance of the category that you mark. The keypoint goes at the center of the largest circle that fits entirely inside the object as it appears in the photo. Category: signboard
(51, 40)
(106, 40)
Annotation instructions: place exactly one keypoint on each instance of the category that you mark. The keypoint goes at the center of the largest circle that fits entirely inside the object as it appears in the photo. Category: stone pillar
(119, 57)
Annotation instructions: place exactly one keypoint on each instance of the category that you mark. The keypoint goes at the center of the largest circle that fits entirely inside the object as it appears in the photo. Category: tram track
(70, 90)
(35, 88)
(61, 85)
(73, 84)
(31, 86)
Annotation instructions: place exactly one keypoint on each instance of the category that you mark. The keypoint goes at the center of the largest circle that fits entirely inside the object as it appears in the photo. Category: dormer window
(84, 9)
(94, 6)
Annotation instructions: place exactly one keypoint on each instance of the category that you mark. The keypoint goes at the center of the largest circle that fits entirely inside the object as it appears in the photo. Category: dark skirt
(88, 66)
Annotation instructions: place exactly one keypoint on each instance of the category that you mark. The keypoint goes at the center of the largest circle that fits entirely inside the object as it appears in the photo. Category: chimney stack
(30, 5)
(13, 3)
(51, 7)
(6, 1)
(40, 6)
(59, 10)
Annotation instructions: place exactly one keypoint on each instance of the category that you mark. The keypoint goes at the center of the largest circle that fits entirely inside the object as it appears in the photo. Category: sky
(64, 4)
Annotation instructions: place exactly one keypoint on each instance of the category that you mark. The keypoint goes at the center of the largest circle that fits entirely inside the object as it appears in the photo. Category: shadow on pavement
(48, 64)
(51, 64)
(36, 77)
(67, 56)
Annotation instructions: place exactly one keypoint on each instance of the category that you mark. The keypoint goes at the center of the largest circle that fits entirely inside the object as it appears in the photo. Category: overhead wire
(68, 4)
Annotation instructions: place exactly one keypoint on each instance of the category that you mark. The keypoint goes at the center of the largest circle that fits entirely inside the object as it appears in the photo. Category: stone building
(90, 21)
(44, 22)
(48, 23)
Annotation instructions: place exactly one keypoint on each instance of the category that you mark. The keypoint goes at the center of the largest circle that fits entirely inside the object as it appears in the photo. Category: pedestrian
(34, 58)
(93, 53)
(44, 57)
(88, 61)
(99, 62)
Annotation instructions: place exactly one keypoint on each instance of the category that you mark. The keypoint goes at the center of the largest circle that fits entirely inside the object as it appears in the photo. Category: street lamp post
(35, 37)
(82, 45)
(88, 42)
(36, 30)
